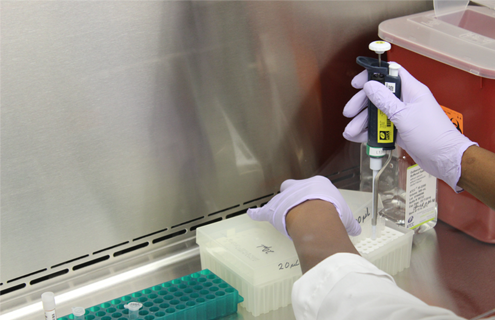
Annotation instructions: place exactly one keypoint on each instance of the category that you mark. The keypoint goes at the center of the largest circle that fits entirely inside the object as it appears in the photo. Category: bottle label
(421, 197)
(50, 315)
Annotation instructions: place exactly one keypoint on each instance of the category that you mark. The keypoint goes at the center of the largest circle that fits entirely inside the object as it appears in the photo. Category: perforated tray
(391, 251)
(198, 296)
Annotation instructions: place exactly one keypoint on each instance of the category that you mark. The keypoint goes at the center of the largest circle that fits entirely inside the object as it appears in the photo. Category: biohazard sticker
(455, 117)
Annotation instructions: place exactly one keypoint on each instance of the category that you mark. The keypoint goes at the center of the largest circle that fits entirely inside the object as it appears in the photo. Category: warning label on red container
(455, 117)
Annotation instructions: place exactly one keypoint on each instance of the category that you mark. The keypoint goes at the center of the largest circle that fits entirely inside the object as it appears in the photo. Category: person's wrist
(299, 214)
(455, 178)
(467, 160)
(317, 232)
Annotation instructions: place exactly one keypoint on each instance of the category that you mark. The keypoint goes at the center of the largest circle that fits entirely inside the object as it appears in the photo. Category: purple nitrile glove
(295, 192)
(424, 130)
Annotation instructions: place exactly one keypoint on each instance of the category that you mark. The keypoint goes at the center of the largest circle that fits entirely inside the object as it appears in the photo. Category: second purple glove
(424, 130)
(295, 192)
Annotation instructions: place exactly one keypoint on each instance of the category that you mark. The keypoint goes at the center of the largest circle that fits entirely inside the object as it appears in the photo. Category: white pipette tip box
(391, 250)
(263, 265)
(254, 258)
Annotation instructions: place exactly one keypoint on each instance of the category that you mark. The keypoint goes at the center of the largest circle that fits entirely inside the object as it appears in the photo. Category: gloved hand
(295, 192)
(424, 130)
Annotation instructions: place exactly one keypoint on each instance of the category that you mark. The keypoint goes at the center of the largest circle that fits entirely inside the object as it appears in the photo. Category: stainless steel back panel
(125, 124)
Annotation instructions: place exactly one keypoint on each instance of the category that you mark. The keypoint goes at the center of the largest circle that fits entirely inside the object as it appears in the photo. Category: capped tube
(133, 308)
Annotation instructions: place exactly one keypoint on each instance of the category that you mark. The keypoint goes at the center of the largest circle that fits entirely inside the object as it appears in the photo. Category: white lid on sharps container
(443, 7)
(48, 300)
(455, 33)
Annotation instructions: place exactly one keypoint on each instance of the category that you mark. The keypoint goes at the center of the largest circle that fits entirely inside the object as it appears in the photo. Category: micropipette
(381, 131)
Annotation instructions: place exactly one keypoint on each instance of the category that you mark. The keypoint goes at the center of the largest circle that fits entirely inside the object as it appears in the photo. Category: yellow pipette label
(385, 128)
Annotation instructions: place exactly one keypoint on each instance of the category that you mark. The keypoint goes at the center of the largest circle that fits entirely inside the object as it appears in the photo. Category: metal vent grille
(105, 256)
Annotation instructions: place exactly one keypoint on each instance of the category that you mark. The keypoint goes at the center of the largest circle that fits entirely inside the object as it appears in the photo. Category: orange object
(455, 117)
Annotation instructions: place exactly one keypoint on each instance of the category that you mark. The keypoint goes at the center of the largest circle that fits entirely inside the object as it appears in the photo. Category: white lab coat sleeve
(347, 286)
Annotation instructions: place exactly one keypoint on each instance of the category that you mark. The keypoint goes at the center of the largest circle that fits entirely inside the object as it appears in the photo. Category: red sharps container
(453, 53)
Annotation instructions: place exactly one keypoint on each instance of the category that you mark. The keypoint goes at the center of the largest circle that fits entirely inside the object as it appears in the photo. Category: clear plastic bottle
(407, 192)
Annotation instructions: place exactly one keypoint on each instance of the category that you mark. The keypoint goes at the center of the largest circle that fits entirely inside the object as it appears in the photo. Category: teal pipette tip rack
(198, 296)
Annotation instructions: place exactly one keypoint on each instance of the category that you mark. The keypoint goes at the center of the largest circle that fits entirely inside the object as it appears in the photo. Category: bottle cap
(48, 299)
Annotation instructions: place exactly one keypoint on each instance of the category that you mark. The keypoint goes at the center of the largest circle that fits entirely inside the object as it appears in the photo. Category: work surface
(452, 270)
(448, 269)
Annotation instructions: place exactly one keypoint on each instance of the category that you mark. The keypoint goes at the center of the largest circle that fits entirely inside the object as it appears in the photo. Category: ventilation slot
(187, 222)
(268, 195)
(9, 290)
(90, 263)
(112, 247)
(204, 224)
(50, 276)
(238, 213)
(346, 177)
(169, 236)
(26, 275)
(139, 246)
(58, 265)
(150, 234)
(223, 210)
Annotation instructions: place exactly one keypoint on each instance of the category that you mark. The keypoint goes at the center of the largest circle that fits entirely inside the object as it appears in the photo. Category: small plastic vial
(48, 300)
(78, 313)
(133, 308)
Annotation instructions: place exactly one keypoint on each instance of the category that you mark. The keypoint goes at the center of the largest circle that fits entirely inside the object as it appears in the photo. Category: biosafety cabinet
(128, 125)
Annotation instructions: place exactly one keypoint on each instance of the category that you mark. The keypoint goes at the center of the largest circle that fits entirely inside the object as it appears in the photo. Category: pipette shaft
(374, 201)
(381, 131)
